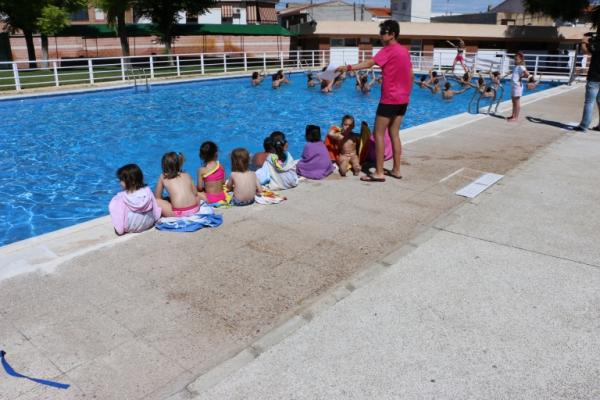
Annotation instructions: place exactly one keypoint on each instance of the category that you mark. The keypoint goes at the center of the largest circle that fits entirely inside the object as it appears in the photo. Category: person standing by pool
(591, 46)
(394, 61)
(516, 86)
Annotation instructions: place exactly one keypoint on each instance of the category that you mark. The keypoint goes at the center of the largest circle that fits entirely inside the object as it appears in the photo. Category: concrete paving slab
(483, 321)
(543, 197)
(126, 372)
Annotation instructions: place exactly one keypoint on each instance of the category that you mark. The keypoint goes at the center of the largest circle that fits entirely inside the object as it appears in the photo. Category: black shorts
(391, 110)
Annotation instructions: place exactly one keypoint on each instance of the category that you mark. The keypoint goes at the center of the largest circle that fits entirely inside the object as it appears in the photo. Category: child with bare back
(242, 181)
(211, 176)
(347, 146)
(183, 197)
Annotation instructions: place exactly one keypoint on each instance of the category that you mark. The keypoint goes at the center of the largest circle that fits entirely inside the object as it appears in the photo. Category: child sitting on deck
(135, 208)
(282, 168)
(211, 177)
(314, 163)
(347, 142)
(242, 181)
(183, 197)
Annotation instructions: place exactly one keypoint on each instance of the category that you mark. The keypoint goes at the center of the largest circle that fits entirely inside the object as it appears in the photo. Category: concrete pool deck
(147, 316)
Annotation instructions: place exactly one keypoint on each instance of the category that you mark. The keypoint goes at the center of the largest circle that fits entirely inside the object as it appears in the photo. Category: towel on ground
(205, 217)
(269, 197)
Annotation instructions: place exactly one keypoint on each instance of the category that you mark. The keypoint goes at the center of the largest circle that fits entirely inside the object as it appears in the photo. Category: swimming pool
(60, 153)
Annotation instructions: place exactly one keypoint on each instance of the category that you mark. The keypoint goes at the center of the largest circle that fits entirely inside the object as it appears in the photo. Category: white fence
(19, 76)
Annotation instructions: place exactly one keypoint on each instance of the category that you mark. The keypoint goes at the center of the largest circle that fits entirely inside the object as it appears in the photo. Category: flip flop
(388, 172)
(371, 178)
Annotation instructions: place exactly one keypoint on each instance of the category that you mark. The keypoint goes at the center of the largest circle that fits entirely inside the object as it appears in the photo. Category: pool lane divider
(10, 371)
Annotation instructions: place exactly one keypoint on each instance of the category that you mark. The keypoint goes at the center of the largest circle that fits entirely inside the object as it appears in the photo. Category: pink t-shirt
(396, 67)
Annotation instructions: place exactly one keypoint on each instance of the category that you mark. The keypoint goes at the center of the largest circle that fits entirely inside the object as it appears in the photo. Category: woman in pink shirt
(394, 61)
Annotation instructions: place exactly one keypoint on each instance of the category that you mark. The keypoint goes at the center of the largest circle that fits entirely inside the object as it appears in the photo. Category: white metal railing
(18, 76)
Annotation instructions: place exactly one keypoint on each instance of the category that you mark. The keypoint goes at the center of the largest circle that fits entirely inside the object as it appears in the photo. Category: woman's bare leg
(381, 123)
(394, 132)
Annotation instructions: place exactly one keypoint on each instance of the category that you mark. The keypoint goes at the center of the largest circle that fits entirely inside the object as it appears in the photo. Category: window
(404, 6)
(80, 15)
(99, 14)
(508, 22)
(337, 42)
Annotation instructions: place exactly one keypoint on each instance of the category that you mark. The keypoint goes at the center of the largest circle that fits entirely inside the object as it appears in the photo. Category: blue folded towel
(191, 223)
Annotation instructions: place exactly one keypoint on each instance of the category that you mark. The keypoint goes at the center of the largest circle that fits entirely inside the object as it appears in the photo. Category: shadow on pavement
(555, 124)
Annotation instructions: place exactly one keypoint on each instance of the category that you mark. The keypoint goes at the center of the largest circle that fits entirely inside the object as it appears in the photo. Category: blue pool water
(59, 154)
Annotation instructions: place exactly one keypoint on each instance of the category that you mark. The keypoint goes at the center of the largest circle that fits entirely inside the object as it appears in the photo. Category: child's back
(315, 162)
(282, 168)
(135, 209)
(242, 181)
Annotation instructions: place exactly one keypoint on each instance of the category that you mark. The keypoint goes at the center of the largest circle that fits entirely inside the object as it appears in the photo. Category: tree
(566, 10)
(52, 20)
(164, 15)
(115, 15)
(17, 16)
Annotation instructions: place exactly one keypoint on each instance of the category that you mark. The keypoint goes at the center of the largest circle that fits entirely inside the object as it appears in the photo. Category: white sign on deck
(479, 185)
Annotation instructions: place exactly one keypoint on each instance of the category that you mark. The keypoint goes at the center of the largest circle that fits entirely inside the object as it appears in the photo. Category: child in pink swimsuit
(211, 177)
(183, 197)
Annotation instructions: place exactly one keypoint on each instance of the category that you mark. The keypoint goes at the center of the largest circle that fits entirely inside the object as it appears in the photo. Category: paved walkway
(147, 316)
(502, 301)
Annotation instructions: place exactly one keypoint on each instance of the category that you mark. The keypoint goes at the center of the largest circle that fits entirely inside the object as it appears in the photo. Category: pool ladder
(498, 95)
(138, 73)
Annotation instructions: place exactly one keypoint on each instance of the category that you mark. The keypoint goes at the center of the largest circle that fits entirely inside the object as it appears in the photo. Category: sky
(461, 6)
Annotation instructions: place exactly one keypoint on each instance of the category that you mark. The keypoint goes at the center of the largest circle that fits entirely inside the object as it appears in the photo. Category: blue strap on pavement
(10, 371)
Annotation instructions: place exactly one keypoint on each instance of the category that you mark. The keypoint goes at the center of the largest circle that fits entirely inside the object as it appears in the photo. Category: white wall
(213, 16)
(411, 10)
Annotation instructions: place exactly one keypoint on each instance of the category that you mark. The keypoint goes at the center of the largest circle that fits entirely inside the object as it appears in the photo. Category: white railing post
(202, 63)
(245, 62)
(298, 59)
(313, 58)
(535, 69)
(91, 71)
(420, 60)
(281, 59)
(151, 67)
(502, 63)
(475, 63)
(122, 69)
(440, 60)
(177, 64)
(55, 70)
(224, 62)
(264, 61)
(16, 76)
(323, 62)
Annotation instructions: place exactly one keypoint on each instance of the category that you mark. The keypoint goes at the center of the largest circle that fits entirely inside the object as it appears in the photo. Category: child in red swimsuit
(211, 177)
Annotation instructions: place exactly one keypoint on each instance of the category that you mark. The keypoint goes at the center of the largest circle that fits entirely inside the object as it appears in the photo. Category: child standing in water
(211, 177)
(347, 146)
(183, 197)
(135, 208)
(516, 86)
(242, 181)
(315, 162)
